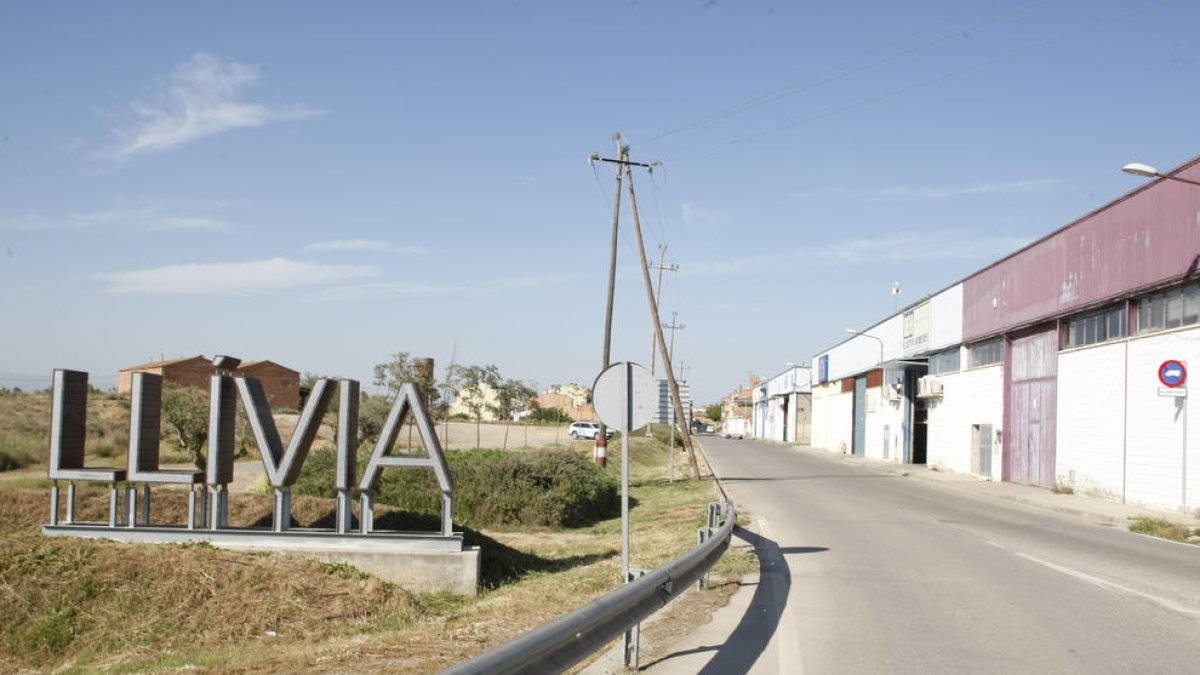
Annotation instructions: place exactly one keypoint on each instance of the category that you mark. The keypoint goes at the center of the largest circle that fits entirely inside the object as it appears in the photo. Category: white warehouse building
(1063, 364)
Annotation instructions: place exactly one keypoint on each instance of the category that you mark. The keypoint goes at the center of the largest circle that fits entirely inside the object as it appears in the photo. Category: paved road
(867, 571)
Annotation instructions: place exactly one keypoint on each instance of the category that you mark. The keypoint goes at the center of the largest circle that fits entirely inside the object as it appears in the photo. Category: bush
(491, 488)
(17, 452)
(550, 416)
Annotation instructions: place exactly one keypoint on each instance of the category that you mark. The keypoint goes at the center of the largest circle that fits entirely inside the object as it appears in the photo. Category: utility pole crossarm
(624, 162)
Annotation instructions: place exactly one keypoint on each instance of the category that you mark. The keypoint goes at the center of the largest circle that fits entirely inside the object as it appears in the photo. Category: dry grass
(88, 605)
(25, 430)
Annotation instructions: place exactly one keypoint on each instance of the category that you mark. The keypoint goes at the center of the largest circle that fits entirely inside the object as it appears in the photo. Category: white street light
(866, 335)
(1147, 171)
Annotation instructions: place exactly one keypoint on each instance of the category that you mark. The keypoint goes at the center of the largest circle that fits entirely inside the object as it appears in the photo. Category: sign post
(1173, 374)
(626, 396)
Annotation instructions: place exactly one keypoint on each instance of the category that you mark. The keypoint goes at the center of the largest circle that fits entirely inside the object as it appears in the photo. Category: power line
(1099, 23)
(834, 74)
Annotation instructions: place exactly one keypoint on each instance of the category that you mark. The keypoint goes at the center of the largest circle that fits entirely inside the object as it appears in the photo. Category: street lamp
(862, 334)
(1148, 171)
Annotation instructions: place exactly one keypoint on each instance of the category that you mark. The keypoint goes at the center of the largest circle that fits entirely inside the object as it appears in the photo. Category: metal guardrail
(560, 644)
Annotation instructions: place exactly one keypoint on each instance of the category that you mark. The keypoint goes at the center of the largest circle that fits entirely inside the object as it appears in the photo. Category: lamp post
(1148, 171)
(862, 334)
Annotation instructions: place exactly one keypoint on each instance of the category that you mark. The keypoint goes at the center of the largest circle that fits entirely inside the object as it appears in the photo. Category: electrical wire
(1099, 23)
(835, 74)
(658, 211)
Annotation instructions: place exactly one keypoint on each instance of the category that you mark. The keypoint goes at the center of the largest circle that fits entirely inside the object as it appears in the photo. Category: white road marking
(1110, 586)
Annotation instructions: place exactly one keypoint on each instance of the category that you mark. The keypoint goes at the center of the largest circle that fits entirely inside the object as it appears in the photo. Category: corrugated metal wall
(1149, 238)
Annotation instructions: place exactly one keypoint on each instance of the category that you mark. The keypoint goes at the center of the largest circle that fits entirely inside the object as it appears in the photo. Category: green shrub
(491, 488)
(17, 452)
(549, 416)
(1158, 527)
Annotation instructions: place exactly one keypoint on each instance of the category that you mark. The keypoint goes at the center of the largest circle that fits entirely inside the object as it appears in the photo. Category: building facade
(782, 407)
(1062, 365)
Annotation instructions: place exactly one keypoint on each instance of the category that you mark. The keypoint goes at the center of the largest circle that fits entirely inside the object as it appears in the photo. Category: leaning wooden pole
(676, 402)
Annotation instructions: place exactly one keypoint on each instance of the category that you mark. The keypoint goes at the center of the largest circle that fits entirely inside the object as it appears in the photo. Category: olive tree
(185, 414)
(478, 386)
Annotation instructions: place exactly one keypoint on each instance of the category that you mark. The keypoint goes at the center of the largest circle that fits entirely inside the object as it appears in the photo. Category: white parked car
(588, 430)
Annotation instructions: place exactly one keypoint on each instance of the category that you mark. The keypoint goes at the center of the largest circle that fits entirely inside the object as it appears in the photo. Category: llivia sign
(209, 515)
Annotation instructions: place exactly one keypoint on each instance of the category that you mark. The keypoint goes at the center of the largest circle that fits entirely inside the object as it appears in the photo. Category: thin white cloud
(837, 192)
(696, 215)
(233, 278)
(150, 217)
(935, 245)
(535, 280)
(727, 266)
(388, 289)
(405, 289)
(203, 97)
(971, 190)
(362, 246)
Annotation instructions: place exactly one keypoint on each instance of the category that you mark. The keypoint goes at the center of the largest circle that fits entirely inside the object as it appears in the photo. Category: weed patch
(1159, 527)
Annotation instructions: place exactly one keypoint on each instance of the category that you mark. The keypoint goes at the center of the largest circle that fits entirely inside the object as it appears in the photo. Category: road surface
(868, 571)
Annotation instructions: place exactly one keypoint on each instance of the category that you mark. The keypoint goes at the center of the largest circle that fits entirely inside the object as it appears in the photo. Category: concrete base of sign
(415, 561)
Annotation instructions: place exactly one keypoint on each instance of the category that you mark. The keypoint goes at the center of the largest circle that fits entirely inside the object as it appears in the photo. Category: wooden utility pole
(600, 453)
(685, 433)
(661, 267)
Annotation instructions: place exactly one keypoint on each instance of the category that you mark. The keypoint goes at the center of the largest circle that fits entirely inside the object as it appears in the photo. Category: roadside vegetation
(1165, 529)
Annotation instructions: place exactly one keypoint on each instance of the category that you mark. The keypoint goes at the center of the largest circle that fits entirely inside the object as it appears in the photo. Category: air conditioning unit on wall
(929, 387)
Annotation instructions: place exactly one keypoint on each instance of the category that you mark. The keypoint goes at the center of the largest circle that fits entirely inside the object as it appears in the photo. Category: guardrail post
(716, 511)
(633, 636)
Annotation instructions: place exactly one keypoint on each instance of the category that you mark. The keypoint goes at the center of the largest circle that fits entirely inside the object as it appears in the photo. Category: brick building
(570, 405)
(281, 384)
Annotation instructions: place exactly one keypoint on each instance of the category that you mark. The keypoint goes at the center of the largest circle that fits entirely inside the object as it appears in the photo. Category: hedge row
(491, 488)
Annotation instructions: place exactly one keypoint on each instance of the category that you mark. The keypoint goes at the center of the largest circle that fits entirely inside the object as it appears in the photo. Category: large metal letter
(407, 400)
(283, 466)
(222, 419)
(68, 419)
(145, 419)
(347, 448)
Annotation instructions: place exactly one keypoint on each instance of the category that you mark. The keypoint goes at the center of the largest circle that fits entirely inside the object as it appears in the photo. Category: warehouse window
(986, 353)
(1169, 309)
(946, 361)
(1089, 329)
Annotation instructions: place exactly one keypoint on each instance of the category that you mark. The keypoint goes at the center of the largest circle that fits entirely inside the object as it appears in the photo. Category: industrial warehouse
(1063, 365)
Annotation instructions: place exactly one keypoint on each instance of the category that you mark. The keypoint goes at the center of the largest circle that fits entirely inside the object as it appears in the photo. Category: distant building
(572, 400)
(189, 371)
(782, 407)
(281, 384)
(666, 411)
(464, 402)
(737, 409)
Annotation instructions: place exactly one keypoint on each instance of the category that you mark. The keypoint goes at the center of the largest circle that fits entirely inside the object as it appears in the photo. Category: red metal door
(1031, 373)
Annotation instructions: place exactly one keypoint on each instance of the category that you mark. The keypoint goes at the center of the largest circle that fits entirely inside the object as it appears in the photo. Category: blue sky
(323, 184)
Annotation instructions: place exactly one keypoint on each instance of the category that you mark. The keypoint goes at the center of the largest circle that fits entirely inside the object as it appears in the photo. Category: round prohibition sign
(1172, 373)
